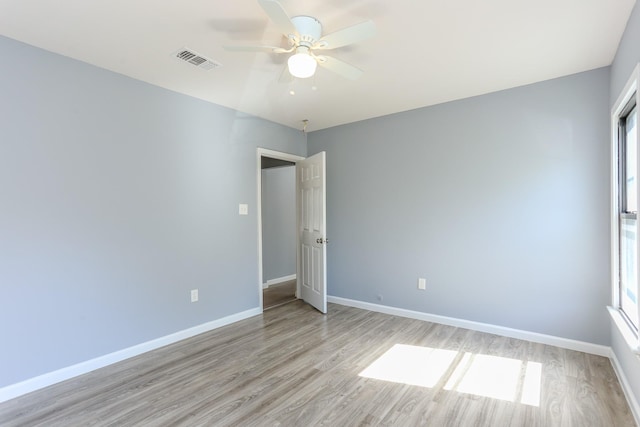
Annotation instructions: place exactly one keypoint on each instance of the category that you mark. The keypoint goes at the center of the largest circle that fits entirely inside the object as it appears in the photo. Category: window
(628, 206)
(625, 242)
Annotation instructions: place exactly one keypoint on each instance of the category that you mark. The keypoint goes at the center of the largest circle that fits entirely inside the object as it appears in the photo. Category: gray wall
(499, 201)
(118, 197)
(626, 59)
(278, 222)
(627, 56)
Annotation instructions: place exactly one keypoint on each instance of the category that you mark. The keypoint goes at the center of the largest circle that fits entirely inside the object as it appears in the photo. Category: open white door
(312, 223)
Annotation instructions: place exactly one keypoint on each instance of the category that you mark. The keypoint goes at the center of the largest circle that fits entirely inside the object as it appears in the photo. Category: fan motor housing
(309, 28)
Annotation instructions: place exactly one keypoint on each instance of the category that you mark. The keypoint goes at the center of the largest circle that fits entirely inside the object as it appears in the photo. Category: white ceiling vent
(196, 59)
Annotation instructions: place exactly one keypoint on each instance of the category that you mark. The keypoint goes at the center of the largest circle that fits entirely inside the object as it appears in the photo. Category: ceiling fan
(304, 34)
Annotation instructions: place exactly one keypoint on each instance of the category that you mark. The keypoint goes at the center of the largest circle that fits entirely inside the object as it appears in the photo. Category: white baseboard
(278, 280)
(41, 381)
(570, 344)
(626, 388)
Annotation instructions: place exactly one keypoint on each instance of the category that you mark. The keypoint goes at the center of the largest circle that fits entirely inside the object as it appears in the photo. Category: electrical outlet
(194, 295)
(243, 209)
(422, 283)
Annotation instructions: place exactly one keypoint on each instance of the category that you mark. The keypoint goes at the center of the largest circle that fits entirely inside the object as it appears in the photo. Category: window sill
(625, 329)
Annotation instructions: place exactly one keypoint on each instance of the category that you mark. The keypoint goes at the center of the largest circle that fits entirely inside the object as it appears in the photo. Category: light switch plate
(422, 283)
(194, 295)
(243, 209)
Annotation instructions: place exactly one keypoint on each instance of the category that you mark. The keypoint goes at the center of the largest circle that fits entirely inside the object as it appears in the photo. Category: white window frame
(630, 90)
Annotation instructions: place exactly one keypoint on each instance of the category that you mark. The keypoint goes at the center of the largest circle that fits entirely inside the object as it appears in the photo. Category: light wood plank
(293, 366)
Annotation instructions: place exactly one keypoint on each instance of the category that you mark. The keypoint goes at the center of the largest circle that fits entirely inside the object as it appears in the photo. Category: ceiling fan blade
(349, 35)
(339, 67)
(279, 16)
(268, 49)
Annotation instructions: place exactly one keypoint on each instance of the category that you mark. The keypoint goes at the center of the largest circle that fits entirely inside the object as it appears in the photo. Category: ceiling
(425, 52)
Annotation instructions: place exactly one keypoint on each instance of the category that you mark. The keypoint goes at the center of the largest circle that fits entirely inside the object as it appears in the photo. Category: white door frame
(264, 152)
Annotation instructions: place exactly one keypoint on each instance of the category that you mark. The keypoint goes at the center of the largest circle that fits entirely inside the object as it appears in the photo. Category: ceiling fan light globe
(302, 65)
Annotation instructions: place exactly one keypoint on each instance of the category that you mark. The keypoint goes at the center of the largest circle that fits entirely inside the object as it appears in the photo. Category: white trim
(613, 207)
(625, 330)
(625, 96)
(260, 152)
(44, 380)
(278, 280)
(265, 152)
(570, 344)
(626, 388)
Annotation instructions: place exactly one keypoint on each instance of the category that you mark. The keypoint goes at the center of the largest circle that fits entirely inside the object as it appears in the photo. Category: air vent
(194, 58)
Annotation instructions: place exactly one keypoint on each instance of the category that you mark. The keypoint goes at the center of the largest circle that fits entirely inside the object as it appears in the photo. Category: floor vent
(194, 58)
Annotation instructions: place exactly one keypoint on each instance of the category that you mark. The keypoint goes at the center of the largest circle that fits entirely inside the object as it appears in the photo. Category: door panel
(312, 230)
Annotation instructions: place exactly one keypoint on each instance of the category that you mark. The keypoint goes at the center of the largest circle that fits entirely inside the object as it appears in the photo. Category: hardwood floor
(293, 366)
(279, 294)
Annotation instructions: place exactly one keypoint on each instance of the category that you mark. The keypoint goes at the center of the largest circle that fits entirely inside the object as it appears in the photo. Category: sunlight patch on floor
(495, 377)
(532, 383)
(489, 376)
(410, 364)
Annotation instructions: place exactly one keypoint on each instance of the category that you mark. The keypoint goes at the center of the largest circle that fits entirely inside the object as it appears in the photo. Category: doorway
(277, 211)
